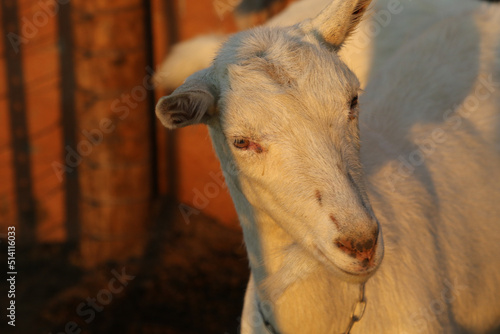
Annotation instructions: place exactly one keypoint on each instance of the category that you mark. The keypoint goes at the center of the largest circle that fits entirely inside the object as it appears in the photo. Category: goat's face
(282, 109)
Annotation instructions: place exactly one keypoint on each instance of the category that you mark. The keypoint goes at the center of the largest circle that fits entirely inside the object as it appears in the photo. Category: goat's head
(282, 109)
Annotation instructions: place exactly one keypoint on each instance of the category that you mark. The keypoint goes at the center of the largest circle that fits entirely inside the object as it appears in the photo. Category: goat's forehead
(283, 52)
(270, 78)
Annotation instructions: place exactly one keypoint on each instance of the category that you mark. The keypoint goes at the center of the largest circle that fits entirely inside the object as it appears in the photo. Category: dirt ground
(191, 279)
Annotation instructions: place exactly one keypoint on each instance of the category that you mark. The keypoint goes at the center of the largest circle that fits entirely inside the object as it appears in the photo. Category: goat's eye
(353, 113)
(241, 143)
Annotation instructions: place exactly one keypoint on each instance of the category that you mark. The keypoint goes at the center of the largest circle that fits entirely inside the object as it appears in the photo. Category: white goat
(282, 111)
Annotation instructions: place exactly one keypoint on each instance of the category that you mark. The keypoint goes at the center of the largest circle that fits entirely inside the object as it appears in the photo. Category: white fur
(430, 156)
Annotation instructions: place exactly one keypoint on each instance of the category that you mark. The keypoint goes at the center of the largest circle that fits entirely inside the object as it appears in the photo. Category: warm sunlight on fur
(401, 191)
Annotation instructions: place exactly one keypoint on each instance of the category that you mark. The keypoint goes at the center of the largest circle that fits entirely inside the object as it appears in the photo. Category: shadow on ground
(191, 280)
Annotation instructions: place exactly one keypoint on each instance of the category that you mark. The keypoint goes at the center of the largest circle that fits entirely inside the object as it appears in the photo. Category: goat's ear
(337, 21)
(191, 103)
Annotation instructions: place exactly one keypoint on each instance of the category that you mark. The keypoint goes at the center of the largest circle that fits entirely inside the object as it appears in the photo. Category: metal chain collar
(358, 310)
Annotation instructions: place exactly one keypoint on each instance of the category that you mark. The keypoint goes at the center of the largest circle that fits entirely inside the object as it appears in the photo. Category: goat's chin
(351, 277)
(345, 274)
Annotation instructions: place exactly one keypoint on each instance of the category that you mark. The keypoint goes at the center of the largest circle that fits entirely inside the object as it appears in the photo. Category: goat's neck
(290, 285)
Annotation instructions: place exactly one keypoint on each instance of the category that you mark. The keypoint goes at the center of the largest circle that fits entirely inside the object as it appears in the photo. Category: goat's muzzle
(362, 250)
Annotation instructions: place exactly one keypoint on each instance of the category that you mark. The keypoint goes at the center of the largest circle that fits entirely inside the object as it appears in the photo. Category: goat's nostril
(362, 251)
(366, 255)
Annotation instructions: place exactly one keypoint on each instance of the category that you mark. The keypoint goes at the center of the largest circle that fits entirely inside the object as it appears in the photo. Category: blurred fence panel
(82, 157)
(113, 125)
(41, 71)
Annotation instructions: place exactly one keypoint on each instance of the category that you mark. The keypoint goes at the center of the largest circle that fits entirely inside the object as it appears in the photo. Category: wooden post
(164, 31)
(8, 201)
(21, 157)
(114, 128)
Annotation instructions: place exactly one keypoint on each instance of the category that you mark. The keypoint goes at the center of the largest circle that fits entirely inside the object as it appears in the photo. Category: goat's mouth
(355, 274)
